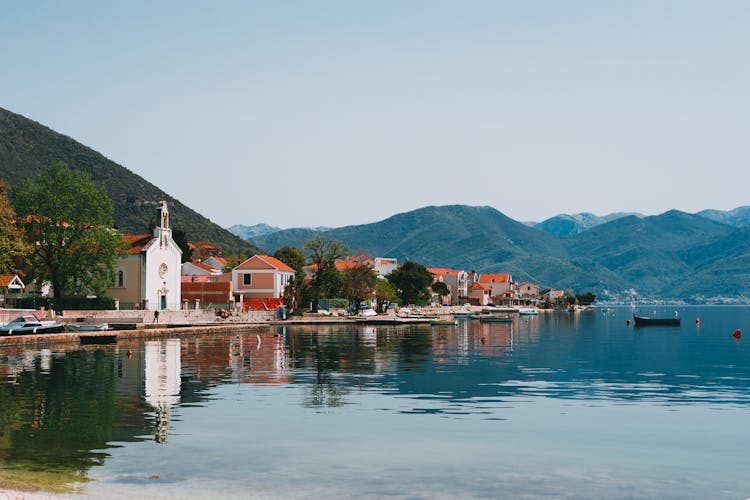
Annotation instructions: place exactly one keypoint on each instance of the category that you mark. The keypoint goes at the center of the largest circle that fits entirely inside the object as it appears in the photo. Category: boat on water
(492, 318)
(463, 315)
(528, 311)
(25, 325)
(645, 321)
(87, 327)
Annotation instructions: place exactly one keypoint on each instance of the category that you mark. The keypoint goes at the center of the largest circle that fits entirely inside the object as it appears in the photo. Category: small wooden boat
(528, 311)
(645, 321)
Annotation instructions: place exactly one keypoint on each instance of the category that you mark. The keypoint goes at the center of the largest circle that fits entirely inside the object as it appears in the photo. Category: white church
(148, 277)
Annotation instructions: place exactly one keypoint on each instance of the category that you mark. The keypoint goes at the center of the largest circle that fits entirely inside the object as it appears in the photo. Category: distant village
(150, 276)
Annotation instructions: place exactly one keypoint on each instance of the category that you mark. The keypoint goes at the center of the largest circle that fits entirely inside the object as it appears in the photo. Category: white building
(149, 276)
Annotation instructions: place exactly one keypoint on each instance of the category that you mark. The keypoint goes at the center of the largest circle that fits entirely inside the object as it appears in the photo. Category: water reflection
(63, 407)
(162, 360)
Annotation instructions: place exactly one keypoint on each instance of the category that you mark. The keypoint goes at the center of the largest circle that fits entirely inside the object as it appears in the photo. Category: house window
(247, 279)
(120, 278)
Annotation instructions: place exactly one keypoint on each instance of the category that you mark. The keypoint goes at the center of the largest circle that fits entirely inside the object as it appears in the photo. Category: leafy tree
(411, 280)
(70, 220)
(13, 246)
(323, 255)
(294, 258)
(385, 293)
(586, 299)
(180, 238)
(359, 283)
(440, 288)
(291, 256)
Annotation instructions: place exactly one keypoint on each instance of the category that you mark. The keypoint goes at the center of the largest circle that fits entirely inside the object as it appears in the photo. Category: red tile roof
(136, 242)
(478, 286)
(274, 262)
(205, 267)
(494, 278)
(5, 279)
(443, 270)
(343, 265)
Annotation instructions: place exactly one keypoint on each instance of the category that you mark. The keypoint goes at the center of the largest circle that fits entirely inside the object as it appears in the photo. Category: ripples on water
(554, 386)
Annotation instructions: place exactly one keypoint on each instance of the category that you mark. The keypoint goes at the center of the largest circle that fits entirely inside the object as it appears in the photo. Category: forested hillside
(27, 148)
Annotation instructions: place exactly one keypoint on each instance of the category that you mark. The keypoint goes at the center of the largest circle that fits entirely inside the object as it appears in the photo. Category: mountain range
(565, 224)
(674, 255)
(27, 148)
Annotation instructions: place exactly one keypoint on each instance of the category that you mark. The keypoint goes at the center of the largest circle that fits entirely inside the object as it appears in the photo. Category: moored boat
(528, 311)
(463, 315)
(25, 325)
(645, 321)
(491, 318)
(87, 327)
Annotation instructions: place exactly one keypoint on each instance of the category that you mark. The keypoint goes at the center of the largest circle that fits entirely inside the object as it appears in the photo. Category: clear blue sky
(332, 113)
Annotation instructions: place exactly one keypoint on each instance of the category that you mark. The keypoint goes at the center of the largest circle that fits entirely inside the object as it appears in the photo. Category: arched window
(120, 278)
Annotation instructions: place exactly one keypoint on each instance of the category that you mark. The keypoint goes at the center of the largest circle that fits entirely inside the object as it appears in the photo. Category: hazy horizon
(301, 113)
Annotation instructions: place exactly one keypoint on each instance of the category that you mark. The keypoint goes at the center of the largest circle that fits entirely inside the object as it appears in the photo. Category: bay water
(561, 405)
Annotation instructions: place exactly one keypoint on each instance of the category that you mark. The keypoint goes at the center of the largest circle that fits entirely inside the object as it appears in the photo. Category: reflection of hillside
(57, 408)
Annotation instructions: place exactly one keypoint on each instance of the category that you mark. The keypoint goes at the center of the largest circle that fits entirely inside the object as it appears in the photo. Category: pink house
(260, 277)
(499, 283)
(479, 294)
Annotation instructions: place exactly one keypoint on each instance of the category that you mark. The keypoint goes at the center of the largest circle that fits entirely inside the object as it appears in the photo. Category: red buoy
(737, 333)
(697, 321)
(627, 322)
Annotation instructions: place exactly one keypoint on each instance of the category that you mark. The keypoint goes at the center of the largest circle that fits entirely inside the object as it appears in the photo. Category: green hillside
(27, 148)
(463, 237)
(672, 255)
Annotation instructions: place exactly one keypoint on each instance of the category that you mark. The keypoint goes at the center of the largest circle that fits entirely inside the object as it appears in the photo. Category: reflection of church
(148, 277)
(162, 360)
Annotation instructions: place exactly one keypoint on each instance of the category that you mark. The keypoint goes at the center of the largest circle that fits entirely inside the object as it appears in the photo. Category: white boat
(30, 325)
(87, 327)
(528, 311)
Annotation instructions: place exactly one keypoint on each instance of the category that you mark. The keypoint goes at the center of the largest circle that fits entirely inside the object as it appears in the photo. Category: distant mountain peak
(569, 224)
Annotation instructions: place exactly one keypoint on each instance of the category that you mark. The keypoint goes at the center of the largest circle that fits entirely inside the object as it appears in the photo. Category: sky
(330, 113)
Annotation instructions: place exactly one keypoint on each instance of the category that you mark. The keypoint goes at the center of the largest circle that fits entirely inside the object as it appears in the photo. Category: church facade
(148, 277)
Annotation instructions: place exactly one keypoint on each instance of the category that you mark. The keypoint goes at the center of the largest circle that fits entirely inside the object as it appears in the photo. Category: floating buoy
(737, 333)
(697, 321)
(130, 353)
(627, 322)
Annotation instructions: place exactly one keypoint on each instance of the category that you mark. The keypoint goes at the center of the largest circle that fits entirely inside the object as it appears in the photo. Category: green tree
(586, 299)
(323, 255)
(13, 246)
(291, 256)
(440, 288)
(359, 283)
(385, 293)
(411, 280)
(294, 258)
(180, 238)
(70, 220)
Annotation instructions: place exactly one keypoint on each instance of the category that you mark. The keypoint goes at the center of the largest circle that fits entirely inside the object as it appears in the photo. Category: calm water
(552, 406)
